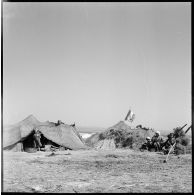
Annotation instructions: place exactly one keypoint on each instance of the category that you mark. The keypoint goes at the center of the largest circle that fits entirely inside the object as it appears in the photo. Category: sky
(90, 63)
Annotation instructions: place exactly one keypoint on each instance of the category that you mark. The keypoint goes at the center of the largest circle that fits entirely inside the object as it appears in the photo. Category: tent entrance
(45, 141)
(28, 143)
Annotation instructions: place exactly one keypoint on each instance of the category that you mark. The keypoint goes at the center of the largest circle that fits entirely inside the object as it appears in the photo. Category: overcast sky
(90, 62)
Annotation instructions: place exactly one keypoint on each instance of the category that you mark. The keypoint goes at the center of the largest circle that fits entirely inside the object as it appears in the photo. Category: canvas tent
(20, 135)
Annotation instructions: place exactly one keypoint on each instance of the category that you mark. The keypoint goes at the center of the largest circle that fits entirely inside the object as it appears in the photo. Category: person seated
(157, 141)
(147, 144)
(167, 144)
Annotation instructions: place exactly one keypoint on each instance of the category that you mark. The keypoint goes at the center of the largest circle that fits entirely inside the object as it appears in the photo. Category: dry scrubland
(92, 171)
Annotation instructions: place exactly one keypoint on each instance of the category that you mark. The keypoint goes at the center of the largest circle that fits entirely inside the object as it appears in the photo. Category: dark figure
(145, 128)
(157, 141)
(37, 139)
(59, 123)
(73, 125)
(179, 148)
(139, 126)
(167, 144)
(147, 145)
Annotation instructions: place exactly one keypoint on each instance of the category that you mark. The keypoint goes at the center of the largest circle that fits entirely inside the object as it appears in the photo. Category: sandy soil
(94, 171)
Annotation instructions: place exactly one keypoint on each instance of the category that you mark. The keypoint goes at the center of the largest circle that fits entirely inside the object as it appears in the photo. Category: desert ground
(93, 171)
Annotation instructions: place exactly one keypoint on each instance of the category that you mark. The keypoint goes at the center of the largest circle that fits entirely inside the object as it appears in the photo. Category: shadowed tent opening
(28, 142)
(45, 141)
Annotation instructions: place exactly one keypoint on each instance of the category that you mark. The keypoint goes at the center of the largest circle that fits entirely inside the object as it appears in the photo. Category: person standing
(37, 139)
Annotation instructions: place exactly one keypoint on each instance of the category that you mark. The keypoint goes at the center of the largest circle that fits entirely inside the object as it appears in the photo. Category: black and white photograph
(97, 97)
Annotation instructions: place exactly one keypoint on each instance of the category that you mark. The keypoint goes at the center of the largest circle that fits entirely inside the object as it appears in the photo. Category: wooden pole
(127, 114)
(170, 152)
(188, 129)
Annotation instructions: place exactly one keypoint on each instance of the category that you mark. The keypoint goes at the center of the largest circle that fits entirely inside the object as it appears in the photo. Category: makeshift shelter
(122, 135)
(19, 137)
(105, 144)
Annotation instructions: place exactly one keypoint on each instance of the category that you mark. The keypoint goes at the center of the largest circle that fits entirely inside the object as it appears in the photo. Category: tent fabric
(15, 133)
(15, 147)
(63, 135)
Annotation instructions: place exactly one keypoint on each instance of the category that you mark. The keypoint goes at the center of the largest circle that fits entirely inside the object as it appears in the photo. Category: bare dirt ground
(93, 171)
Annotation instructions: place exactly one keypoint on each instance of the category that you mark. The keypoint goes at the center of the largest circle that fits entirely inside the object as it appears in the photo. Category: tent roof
(14, 133)
(63, 135)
